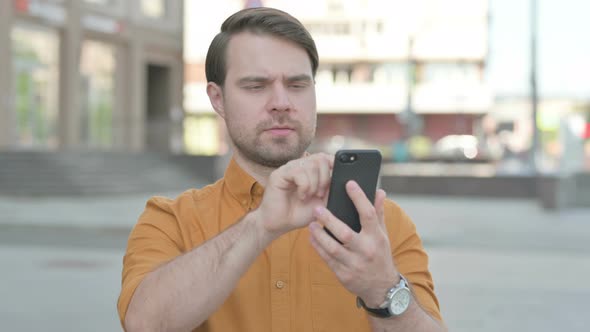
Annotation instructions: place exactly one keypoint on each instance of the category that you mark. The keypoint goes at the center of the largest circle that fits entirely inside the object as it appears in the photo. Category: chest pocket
(333, 308)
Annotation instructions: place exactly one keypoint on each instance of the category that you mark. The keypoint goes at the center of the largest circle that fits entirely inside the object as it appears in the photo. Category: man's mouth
(280, 130)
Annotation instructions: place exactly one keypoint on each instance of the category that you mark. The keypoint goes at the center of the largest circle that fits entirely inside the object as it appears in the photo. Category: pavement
(498, 264)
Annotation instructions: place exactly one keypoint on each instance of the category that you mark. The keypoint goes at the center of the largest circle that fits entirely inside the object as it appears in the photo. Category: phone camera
(347, 158)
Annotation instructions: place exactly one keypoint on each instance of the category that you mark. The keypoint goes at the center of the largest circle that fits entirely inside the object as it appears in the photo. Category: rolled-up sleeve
(154, 240)
(410, 257)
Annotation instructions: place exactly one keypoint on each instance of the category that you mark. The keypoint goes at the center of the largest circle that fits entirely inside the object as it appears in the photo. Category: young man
(249, 252)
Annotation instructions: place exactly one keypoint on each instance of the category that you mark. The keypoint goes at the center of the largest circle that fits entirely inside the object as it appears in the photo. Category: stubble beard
(277, 151)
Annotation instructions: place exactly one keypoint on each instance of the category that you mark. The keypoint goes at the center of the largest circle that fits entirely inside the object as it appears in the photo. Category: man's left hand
(363, 262)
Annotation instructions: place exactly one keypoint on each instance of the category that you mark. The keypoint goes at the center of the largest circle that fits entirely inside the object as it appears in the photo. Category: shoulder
(177, 219)
(205, 194)
(179, 212)
(400, 227)
(186, 200)
(395, 214)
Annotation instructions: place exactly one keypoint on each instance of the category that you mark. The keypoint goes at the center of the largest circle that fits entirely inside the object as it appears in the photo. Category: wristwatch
(397, 301)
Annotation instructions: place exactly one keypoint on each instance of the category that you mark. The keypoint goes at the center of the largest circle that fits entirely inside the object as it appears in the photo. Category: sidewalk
(498, 265)
(502, 224)
(113, 212)
(454, 221)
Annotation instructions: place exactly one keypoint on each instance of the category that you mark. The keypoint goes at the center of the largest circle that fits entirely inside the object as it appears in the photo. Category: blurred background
(481, 109)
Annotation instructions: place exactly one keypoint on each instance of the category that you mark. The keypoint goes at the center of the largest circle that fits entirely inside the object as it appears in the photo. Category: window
(201, 135)
(113, 8)
(97, 70)
(36, 82)
(331, 29)
(451, 73)
(391, 73)
(104, 3)
(155, 9)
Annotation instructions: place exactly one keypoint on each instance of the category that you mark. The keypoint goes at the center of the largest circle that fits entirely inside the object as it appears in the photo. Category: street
(498, 265)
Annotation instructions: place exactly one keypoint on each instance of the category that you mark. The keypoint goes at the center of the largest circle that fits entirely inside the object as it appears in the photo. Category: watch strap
(377, 312)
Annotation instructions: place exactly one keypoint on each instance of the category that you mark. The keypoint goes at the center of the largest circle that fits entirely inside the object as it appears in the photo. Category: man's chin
(276, 160)
(273, 153)
(276, 157)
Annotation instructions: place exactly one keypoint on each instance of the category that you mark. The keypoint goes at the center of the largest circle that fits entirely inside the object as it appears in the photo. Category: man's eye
(298, 86)
(254, 87)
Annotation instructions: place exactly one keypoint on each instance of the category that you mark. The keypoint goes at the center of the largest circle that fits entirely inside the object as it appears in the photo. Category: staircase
(100, 173)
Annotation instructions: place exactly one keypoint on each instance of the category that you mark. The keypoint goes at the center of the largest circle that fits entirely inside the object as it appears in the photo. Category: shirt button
(280, 284)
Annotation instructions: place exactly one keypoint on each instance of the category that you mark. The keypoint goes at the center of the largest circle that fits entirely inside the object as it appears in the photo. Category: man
(249, 252)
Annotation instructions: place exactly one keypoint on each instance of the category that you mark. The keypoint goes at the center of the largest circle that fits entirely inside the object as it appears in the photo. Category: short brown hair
(261, 20)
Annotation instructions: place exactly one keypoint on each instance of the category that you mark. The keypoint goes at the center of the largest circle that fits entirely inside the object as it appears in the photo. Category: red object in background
(21, 6)
(587, 133)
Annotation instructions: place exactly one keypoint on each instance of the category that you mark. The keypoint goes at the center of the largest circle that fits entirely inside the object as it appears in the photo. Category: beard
(279, 150)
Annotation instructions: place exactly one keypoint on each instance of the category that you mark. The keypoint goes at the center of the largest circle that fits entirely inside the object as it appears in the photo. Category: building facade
(389, 69)
(91, 75)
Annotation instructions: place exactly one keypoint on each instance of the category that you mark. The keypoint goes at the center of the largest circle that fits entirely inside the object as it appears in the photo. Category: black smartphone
(362, 166)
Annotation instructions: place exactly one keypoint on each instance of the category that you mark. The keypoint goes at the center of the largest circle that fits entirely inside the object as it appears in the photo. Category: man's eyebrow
(299, 78)
(263, 79)
(253, 79)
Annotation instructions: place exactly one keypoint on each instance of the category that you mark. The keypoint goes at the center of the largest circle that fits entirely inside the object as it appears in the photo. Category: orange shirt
(288, 287)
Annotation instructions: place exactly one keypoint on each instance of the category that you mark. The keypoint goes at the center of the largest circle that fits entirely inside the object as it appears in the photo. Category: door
(158, 106)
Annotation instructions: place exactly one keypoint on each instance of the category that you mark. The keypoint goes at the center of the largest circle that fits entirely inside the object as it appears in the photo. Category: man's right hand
(293, 191)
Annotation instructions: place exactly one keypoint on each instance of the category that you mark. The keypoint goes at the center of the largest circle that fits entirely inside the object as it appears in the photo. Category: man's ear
(215, 94)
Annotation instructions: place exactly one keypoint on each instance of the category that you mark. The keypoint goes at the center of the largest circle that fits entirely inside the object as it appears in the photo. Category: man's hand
(293, 192)
(363, 262)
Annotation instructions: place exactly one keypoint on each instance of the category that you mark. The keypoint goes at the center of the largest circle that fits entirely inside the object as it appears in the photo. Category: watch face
(400, 301)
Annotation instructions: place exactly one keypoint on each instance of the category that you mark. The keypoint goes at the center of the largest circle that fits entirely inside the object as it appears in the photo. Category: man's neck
(259, 172)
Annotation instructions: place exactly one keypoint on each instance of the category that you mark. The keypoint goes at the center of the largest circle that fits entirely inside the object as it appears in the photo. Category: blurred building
(388, 69)
(91, 75)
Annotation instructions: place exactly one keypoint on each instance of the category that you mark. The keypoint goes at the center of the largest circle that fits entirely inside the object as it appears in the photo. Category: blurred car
(337, 142)
(462, 148)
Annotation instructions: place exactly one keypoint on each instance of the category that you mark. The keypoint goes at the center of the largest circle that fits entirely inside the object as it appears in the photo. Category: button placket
(280, 277)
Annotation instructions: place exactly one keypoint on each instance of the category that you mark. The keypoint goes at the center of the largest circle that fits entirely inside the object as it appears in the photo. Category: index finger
(325, 157)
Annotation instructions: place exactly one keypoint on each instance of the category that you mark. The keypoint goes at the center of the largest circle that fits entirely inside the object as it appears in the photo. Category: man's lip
(281, 128)
(280, 131)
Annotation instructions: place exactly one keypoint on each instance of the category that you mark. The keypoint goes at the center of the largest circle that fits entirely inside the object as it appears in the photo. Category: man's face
(268, 99)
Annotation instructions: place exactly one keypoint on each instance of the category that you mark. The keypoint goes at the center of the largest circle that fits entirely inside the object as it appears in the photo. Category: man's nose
(279, 99)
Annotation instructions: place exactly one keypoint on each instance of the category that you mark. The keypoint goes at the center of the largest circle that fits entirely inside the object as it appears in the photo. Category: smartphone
(362, 166)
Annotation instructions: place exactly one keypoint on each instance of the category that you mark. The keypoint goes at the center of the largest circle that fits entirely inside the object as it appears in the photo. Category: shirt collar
(242, 185)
